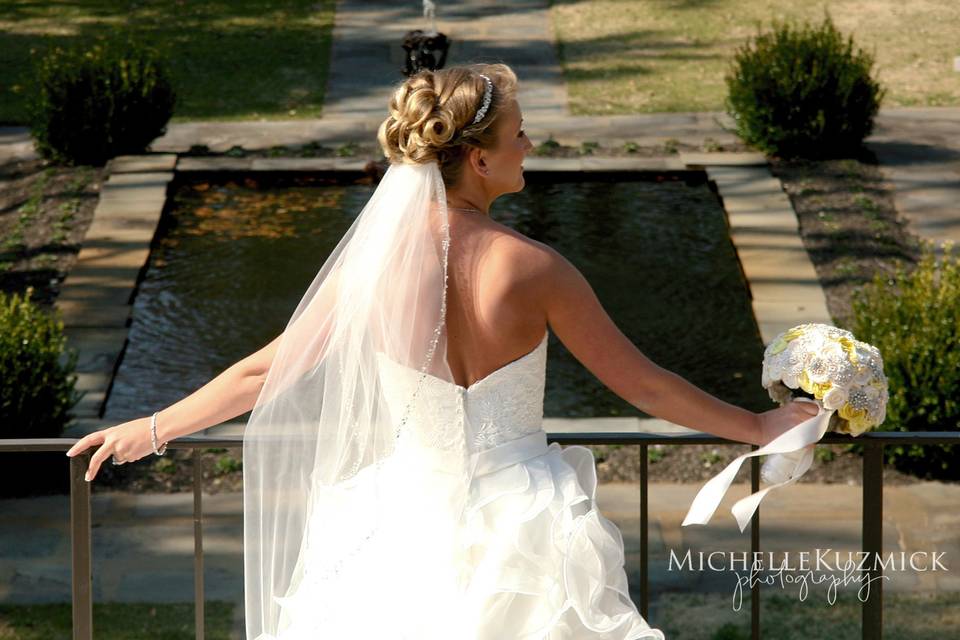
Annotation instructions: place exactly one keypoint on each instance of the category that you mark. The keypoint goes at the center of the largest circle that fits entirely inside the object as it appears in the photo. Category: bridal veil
(321, 418)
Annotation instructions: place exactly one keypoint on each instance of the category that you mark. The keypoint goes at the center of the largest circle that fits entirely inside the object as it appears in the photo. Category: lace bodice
(502, 406)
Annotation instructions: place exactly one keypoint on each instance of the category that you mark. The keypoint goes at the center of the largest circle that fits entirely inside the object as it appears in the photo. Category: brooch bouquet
(815, 363)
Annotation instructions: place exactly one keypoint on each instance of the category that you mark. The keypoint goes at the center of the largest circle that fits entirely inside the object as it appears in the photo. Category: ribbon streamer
(802, 436)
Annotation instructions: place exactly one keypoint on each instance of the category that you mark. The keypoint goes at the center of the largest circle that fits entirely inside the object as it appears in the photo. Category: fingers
(98, 457)
(807, 408)
(86, 442)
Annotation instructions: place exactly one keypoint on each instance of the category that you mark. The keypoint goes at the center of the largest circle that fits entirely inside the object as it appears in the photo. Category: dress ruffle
(533, 559)
(548, 564)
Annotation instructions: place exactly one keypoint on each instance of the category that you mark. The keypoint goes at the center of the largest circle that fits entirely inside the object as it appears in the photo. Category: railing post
(81, 570)
(644, 538)
(198, 543)
(872, 576)
(754, 548)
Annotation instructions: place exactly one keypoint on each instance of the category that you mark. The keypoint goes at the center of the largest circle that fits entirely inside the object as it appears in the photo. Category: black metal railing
(871, 536)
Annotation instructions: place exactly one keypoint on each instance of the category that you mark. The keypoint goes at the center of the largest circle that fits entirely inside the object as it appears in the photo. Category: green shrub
(92, 103)
(803, 91)
(38, 388)
(913, 318)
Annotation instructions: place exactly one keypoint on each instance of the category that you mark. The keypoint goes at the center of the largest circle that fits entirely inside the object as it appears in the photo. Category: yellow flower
(820, 390)
(793, 334)
(804, 381)
(851, 349)
(848, 412)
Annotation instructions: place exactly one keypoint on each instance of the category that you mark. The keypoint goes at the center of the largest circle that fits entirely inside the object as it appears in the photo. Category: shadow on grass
(228, 60)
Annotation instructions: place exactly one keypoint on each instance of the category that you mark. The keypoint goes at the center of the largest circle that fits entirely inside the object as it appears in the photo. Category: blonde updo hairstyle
(431, 116)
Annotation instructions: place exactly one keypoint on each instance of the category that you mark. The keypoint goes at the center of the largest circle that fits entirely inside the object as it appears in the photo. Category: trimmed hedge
(92, 103)
(38, 377)
(803, 91)
(914, 319)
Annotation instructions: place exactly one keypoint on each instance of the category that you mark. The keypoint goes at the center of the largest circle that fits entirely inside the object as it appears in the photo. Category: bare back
(505, 290)
(492, 319)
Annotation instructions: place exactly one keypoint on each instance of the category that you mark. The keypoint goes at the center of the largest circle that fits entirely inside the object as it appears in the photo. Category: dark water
(234, 257)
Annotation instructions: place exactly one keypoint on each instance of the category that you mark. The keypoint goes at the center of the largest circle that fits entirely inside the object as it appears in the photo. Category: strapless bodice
(505, 405)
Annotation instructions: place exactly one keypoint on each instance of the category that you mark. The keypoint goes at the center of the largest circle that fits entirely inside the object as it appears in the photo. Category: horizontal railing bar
(886, 437)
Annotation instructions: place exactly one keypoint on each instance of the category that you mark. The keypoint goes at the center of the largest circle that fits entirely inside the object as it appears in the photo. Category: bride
(397, 478)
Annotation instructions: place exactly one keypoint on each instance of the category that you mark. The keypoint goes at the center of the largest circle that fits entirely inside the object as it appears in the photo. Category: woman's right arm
(231, 393)
(587, 331)
(237, 389)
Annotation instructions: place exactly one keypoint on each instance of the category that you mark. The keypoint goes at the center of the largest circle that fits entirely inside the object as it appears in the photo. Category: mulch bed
(45, 211)
(847, 220)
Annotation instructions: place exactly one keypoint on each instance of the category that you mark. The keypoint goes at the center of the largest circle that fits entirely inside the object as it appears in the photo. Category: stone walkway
(919, 151)
(366, 56)
(143, 544)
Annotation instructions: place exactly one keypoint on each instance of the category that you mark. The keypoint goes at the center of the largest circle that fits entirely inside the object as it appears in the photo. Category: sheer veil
(322, 419)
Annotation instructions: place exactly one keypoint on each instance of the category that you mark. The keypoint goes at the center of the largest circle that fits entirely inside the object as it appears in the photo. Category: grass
(117, 621)
(237, 60)
(784, 616)
(671, 55)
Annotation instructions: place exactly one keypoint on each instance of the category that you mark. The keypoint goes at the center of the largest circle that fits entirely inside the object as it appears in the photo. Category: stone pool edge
(97, 294)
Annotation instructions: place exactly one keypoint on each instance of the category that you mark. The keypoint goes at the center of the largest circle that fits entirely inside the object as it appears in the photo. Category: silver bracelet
(153, 436)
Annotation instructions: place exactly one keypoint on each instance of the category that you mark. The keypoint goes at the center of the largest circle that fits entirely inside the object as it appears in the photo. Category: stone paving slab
(86, 276)
(215, 164)
(97, 293)
(83, 313)
(591, 163)
(775, 239)
(98, 348)
(142, 163)
(785, 313)
(763, 264)
(723, 159)
(760, 213)
(113, 254)
(117, 230)
(148, 207)
(138, 194)
(765, 232)
(293, 164)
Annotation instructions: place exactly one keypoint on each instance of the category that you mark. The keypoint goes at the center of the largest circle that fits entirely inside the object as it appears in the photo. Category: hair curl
(431, 116)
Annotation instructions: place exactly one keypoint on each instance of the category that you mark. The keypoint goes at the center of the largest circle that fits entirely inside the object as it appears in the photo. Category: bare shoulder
(577, 318)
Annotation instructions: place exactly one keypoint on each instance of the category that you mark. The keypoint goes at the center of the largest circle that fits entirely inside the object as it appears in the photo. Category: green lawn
(117, 621)
(236, 60)
(785, 616)
(630, 56)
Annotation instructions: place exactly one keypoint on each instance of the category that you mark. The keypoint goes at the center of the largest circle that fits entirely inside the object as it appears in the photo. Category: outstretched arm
(578, 319)
(228, 395)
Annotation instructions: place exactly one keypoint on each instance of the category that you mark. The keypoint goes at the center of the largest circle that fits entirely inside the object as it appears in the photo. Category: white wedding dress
(538, 559)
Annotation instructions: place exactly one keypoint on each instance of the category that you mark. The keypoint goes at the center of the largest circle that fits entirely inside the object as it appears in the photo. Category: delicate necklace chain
(466, 209)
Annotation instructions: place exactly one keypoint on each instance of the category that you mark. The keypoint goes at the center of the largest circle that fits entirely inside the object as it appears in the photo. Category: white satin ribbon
(801, 437)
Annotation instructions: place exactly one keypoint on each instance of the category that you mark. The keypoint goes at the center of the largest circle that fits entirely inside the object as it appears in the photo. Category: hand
(778, 421)
(129, 442)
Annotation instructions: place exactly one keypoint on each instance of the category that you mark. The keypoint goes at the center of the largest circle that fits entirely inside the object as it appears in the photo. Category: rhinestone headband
(487, 95)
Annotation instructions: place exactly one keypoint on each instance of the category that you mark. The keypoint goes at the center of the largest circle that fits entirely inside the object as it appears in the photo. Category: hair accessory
(487, 95)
